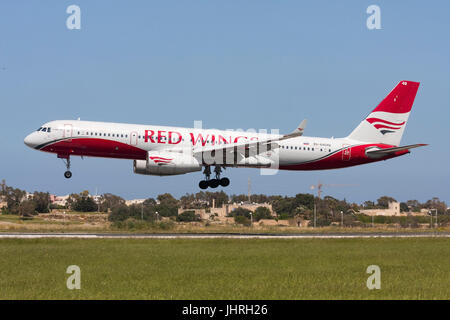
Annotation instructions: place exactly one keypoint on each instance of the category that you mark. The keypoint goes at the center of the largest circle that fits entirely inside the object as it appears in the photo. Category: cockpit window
(48, 129)
(39, 129)
(44, 129)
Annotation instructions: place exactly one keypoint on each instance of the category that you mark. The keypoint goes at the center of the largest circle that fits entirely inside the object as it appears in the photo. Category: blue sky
(232, 64)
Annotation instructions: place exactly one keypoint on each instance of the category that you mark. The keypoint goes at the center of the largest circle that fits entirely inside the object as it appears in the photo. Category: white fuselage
(163, 138)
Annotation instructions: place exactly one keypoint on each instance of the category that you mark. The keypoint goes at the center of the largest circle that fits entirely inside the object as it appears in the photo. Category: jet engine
(166, 164)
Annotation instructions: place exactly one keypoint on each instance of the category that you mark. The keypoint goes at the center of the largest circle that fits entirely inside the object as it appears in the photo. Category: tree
(41, 201)
(73, 198)
(13, 198)
(139, 212)
(322, 221)
(241, 212)
(259, 198)
(435, 203)
(187, 201)
(201, 196)
(304, 199)
(85, 205)
(349, 220)
(82, 202)
(109, 201)
(284, 206)
(188, 216)
(220, 198)
(150, 202)
(168, 205)
(167, 199)
(3, 187)
(27, 208)
(369, 204)
(119, 213)
(413, 205)
(262, 213)
(242, 220)
(383, 202)
(404, 207)
(237, 198)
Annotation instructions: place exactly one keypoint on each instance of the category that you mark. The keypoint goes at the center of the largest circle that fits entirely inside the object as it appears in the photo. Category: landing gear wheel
(224, 182)
(214, 183)
(67, 174)
(203, 184)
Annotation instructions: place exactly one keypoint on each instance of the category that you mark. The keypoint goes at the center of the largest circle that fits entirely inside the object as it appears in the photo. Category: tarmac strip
(221, 235)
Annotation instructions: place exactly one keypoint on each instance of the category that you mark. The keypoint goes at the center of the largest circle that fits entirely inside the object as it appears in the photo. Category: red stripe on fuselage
(94, 147)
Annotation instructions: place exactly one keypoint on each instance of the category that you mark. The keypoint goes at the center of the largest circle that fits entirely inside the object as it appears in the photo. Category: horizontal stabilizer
(384, 152)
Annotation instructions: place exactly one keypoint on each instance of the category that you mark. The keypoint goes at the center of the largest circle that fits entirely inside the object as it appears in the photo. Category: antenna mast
(249, 189)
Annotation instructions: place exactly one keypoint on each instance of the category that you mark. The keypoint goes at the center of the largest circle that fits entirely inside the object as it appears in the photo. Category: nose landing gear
(213, 183)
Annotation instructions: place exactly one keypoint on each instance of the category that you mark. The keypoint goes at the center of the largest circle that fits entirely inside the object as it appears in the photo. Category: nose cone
(31, 140)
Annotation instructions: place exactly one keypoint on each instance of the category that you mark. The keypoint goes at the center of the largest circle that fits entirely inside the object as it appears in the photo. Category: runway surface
(223, 235)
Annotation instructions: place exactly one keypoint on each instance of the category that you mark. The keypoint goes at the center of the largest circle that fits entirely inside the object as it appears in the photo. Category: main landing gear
(213, 183)
(67, 174)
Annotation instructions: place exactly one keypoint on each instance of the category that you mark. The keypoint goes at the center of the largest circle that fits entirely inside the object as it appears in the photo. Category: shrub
(262, 213)
(120, 213)
(166, 225)
(242, 220)
(240, 212)
(188, 216)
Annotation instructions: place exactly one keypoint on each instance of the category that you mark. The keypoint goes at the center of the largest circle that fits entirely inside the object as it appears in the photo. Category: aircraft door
(133, 138)
(68, 132)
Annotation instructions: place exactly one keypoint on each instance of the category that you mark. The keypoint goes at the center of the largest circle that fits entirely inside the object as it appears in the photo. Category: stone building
(226, 209)
(392, 210)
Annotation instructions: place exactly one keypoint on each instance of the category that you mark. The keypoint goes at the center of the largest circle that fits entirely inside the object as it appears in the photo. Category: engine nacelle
(166, 164)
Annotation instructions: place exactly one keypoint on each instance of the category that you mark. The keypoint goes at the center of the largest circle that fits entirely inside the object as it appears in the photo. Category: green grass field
(414, 268)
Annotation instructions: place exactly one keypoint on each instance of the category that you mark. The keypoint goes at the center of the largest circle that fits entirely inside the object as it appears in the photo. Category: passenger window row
(115, 135)
(304, 148)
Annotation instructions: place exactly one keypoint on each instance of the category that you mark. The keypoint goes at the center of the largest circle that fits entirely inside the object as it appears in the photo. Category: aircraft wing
(251, 147)
(388, 151)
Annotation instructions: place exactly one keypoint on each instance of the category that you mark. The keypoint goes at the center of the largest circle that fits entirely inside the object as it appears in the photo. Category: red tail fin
(387, 122)
(400, 99)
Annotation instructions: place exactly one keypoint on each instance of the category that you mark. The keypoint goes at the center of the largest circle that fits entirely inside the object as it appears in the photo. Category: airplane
(163, 150)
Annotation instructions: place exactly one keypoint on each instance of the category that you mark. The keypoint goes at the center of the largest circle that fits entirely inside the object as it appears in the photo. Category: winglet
(297, 132)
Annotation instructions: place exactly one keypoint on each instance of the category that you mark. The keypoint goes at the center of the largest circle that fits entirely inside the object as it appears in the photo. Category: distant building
(60, 200)
(392, 210)
(134, 201)
(226, 209)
